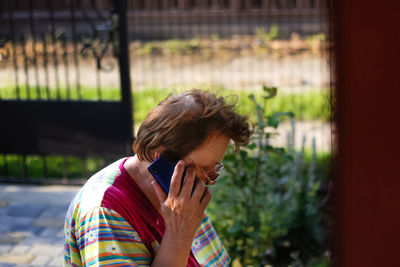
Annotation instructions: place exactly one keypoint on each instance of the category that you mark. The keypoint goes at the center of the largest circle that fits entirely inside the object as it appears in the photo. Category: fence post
(120, 9)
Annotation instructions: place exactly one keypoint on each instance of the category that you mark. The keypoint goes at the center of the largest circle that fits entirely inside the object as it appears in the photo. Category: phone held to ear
(162, 169)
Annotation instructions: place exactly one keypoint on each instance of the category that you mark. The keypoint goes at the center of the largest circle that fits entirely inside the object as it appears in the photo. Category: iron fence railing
(45, 51)
(54, 100)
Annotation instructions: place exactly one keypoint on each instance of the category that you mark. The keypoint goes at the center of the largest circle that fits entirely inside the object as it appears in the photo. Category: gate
(54, 58)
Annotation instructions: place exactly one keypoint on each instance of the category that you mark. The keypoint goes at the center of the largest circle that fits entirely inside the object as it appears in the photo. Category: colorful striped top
(111, 222)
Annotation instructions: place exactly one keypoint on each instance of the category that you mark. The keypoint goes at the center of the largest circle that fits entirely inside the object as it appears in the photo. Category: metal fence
(53, 101)
(43, 51)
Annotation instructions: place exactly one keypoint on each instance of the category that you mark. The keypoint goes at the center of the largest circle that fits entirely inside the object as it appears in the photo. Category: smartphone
(162, 169)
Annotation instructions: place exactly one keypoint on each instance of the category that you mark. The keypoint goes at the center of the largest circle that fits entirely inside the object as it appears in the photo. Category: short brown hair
(182, 123)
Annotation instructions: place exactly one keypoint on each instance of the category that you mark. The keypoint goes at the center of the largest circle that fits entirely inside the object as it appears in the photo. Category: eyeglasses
(211, 176)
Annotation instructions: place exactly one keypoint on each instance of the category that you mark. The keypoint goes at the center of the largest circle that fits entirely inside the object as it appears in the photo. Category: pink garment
(126, 198)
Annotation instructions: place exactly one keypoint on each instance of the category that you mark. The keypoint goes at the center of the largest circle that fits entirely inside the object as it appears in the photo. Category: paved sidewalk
(31, 228)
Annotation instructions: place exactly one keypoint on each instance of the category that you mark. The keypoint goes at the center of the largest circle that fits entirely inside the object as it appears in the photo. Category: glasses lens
(215, 174)
(219, 167)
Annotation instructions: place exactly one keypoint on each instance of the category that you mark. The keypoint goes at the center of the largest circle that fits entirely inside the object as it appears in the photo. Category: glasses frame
(215, 173)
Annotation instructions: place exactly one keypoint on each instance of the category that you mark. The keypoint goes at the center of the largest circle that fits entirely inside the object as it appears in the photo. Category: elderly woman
(123, 217)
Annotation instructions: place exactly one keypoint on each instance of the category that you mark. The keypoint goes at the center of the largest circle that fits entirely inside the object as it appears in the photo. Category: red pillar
(367, 38)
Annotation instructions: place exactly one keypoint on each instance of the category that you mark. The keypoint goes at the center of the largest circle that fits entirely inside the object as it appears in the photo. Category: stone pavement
(31, 228)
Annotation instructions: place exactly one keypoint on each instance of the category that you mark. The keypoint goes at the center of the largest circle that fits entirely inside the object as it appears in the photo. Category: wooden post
(235, 4)
(201, 4)
(151, 5)
(133, 5)
(304, 4)
(266, 4)
(164, 4)
(247, 5)
(183, 4)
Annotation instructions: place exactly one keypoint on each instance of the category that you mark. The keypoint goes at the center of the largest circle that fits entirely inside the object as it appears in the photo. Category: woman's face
(208, 156)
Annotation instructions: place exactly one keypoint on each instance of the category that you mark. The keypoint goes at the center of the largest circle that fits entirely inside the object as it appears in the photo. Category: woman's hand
(182, 210)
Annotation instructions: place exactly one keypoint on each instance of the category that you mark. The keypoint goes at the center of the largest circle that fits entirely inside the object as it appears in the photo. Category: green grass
(87, 93)
(12, 166)
(312, 105)
(145, 100)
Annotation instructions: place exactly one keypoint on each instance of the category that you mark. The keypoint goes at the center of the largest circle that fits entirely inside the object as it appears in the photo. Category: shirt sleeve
(105, 238)
(207, 247)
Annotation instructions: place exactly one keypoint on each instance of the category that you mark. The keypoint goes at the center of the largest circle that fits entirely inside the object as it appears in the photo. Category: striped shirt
(111, 222)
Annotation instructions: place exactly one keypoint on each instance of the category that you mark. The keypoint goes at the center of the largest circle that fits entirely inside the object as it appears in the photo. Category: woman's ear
(133, 148)
(158, 152)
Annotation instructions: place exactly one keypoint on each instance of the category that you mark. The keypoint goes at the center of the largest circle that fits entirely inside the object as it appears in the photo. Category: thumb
(159, 192)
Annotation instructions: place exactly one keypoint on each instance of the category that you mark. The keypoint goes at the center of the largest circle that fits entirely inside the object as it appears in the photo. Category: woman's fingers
(175, 185)
(188, 182)
(189, 196)
(184, 206)
(206, 197)
(159, 191)
(198, 190)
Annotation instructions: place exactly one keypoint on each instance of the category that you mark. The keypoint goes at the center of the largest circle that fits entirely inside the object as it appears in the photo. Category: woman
(122, 216)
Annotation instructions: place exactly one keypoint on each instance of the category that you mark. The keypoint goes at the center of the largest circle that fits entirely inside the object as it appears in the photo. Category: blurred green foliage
(273, 33)
(312, 105)
(268, 207)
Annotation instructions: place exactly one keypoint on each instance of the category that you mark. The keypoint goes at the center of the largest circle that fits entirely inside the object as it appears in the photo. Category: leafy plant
(267, 208)
(273, 33)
